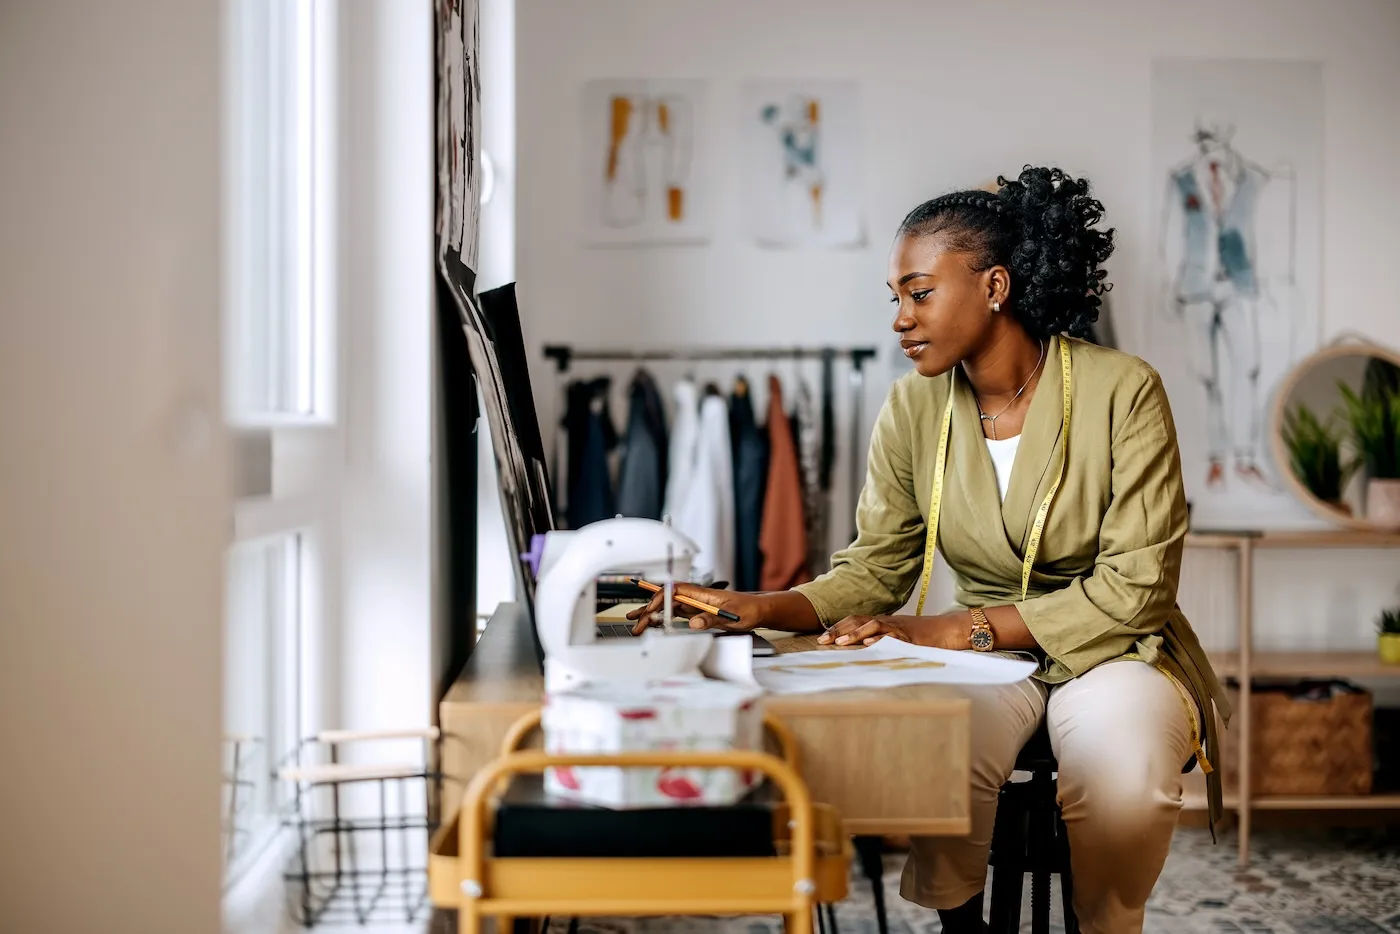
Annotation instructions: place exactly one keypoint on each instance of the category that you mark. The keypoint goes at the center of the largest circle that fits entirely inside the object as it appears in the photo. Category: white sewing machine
(566, 605)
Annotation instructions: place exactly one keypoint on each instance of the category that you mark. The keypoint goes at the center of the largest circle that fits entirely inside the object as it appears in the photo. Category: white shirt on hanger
(1003, 456)
(685, 428)
(700, 489)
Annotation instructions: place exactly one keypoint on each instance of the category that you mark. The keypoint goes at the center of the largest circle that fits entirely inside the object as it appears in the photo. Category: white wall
(114, 505)
(952, 94)
(385, 151)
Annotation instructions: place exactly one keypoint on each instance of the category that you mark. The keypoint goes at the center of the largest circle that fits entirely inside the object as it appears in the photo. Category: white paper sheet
(646, 168)
(802, 178)
(887, 663)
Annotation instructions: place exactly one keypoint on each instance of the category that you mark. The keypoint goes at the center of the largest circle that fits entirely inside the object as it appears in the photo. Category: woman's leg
(945, 872)
(1121, 734)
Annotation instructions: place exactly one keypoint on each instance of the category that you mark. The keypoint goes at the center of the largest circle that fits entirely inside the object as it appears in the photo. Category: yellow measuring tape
(941, 464)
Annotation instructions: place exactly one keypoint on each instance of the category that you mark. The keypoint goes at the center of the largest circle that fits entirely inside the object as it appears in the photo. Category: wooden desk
(892, 761)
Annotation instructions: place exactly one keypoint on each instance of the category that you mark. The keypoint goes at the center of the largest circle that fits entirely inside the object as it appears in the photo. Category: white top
(1003, 456)
(700, 489)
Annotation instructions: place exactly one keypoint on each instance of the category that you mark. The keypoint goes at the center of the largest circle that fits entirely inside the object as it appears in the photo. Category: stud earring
(996, 308)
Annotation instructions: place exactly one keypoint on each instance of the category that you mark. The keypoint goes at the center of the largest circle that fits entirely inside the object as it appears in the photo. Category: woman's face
(944, 311)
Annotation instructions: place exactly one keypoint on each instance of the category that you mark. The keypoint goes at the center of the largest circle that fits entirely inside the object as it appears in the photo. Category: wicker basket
(1307, 739)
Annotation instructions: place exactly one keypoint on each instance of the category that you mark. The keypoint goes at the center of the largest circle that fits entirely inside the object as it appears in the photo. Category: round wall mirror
(1336, 435)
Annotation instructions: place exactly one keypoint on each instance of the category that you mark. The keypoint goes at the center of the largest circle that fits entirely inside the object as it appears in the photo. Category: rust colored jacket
(783, 536)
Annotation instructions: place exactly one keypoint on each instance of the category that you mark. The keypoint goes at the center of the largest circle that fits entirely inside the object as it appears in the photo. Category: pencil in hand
(687, 601)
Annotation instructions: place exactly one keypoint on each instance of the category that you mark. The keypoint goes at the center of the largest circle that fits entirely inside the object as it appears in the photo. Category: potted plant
(1374, 419)
(1388, 641)
(1315, 455)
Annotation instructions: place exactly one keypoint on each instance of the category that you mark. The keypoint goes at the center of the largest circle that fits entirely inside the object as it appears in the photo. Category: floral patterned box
(682, 714)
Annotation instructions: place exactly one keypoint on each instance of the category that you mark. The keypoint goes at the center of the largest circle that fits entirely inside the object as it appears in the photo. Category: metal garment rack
(564, 355)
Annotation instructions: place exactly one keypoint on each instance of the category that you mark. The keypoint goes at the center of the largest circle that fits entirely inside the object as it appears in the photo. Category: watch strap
(981, 638)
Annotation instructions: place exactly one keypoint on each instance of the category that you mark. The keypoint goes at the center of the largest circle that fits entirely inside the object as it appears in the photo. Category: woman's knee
(1120, 791)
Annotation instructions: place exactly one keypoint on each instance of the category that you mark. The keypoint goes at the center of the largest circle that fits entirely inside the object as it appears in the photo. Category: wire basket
(361, 809)
(242, 761)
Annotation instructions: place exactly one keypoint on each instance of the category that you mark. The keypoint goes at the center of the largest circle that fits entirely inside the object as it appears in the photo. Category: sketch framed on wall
(802, 184)
(1236, 284)
(645, 164)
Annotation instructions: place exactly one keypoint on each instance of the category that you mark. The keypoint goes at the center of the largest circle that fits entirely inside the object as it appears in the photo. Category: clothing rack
(564, 355)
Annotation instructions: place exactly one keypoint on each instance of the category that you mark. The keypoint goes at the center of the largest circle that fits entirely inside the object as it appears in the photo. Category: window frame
(281, 246)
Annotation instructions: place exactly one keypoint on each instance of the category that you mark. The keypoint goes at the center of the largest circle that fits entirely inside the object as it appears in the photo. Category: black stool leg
(820, 912)
(831, 920)
(1067, 895)
(872, 863)
(1006, 901)
(1040, 903)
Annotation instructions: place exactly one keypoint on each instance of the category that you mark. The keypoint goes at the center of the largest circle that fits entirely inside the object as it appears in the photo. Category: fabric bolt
(1120, 734)
(592, 437)
(815, 504)
(1105, 578)
(704, 507)
(783, 536)
(641, 482)
(750, 478)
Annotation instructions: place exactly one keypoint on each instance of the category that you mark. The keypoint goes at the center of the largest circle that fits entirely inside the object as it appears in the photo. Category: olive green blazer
(1105, 578)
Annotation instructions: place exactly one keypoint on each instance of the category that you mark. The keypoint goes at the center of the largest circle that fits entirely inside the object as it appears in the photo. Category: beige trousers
(1121, 734)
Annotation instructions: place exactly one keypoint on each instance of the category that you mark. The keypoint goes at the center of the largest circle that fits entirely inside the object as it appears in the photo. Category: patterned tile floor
(1341, 882)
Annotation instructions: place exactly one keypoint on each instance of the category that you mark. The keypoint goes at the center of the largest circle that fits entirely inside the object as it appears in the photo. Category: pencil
(688, 601)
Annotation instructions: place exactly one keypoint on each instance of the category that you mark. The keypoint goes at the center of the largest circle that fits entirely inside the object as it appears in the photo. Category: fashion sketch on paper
(1230, 277)
(647, 171)
(797, 125)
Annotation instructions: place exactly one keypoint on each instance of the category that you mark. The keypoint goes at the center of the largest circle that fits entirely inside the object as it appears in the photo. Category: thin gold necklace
(993, 418)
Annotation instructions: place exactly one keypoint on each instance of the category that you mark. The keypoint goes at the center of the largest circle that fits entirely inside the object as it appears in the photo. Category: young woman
(1060, 510)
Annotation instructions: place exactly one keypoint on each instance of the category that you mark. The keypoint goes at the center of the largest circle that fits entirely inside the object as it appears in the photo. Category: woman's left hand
(943, 632)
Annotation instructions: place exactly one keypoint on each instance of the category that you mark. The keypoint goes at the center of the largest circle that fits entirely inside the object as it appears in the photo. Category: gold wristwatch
(981, 638)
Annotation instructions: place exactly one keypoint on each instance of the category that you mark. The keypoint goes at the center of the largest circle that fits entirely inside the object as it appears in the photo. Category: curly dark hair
(1042, 228)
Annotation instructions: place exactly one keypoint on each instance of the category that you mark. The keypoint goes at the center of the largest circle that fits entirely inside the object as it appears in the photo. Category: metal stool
(1029, 837)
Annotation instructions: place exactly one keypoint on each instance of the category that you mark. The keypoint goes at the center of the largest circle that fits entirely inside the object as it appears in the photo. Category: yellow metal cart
(809, 866)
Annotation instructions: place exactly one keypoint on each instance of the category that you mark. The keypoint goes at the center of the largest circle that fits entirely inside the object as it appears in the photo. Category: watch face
(981, 639)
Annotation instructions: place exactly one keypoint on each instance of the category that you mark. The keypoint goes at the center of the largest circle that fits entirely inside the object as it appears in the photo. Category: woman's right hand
(747, 606)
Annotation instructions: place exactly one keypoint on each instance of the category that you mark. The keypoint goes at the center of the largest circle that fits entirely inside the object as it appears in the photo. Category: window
(262, 689)
(279, 341)
(280, 361)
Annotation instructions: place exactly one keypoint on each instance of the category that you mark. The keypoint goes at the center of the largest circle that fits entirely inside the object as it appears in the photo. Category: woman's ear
(998, 285)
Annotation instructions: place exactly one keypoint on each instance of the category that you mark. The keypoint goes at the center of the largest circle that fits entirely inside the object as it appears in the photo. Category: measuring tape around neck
(940, 466)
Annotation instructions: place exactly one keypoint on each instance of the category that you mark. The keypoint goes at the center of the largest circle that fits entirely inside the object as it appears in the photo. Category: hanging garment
(641, 483)
(704, 499)
(815, 504)
(750, 478)
(684, 431)
(783, 537)
(828, 446)
(591, 437)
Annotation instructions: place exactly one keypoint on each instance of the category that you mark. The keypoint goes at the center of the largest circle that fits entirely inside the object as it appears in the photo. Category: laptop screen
(496, 348)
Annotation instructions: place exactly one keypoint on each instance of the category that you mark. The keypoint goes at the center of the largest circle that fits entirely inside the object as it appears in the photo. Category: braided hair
(1041, 227)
